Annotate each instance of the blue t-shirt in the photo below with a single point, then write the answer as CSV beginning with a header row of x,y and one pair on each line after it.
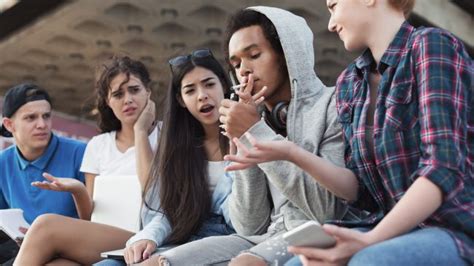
x,y
62,158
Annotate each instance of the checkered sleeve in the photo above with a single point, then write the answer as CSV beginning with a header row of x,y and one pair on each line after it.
x,y
443,76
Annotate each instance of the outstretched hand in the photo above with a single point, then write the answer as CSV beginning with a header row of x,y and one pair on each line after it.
x,y
260,152
59,184
348,242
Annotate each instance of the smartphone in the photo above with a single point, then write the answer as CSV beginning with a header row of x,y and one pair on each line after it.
x,y
309,234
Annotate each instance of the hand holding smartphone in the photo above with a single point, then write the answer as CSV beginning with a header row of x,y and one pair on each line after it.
x,y
309,234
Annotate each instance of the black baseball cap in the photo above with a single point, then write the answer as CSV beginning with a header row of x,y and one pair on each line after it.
x,y
18,96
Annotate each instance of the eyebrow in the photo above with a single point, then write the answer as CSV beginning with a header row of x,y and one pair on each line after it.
x,y
120,88
115,91
133,86
36,113
246,49
204,80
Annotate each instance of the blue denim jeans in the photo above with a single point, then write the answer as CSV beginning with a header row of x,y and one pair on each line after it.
x,y
429,246
110,262
214,226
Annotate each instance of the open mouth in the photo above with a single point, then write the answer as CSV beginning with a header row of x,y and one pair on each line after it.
x,y
206,108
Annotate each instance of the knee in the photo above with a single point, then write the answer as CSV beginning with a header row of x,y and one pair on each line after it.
x,y
247,259
367,256
44,224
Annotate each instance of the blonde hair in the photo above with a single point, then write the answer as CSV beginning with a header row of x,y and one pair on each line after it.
x,y
404,5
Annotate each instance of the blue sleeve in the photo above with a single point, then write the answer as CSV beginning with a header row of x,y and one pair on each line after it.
x,y
157,227
77,164
81,177
220,197
157,230
3,202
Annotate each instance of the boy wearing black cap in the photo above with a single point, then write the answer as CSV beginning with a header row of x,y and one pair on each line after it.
x,y
27,118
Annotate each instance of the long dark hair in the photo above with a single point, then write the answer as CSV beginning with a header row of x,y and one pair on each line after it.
x,y
179,171
105,73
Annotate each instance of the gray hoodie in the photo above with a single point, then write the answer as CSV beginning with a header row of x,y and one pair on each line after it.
x,y
278,196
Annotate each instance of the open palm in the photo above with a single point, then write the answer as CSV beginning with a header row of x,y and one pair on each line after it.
x,y
58,183
260,152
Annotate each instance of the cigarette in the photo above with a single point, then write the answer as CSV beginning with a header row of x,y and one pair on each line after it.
x,y
236,87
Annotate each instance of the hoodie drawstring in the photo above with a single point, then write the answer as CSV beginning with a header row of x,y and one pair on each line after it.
x,y
293,113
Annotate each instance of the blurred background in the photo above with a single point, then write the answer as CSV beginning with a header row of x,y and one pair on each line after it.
x,y
57,44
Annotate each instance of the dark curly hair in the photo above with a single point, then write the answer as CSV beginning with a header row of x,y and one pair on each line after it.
x,y
106,72
247,17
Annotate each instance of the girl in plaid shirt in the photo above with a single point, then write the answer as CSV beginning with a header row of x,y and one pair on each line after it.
x,y
406,110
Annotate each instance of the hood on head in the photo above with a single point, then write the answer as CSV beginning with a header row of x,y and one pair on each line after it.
x,y
297,42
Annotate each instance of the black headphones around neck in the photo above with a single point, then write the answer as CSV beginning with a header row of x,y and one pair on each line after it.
x,y
276,119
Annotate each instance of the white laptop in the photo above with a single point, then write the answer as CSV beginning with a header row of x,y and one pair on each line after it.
x,y
117,202
118,254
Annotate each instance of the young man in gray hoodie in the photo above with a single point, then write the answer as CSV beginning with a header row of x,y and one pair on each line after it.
x,y
274,48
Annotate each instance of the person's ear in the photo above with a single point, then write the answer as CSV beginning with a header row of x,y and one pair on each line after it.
x,y
8,124
180,100
369,3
